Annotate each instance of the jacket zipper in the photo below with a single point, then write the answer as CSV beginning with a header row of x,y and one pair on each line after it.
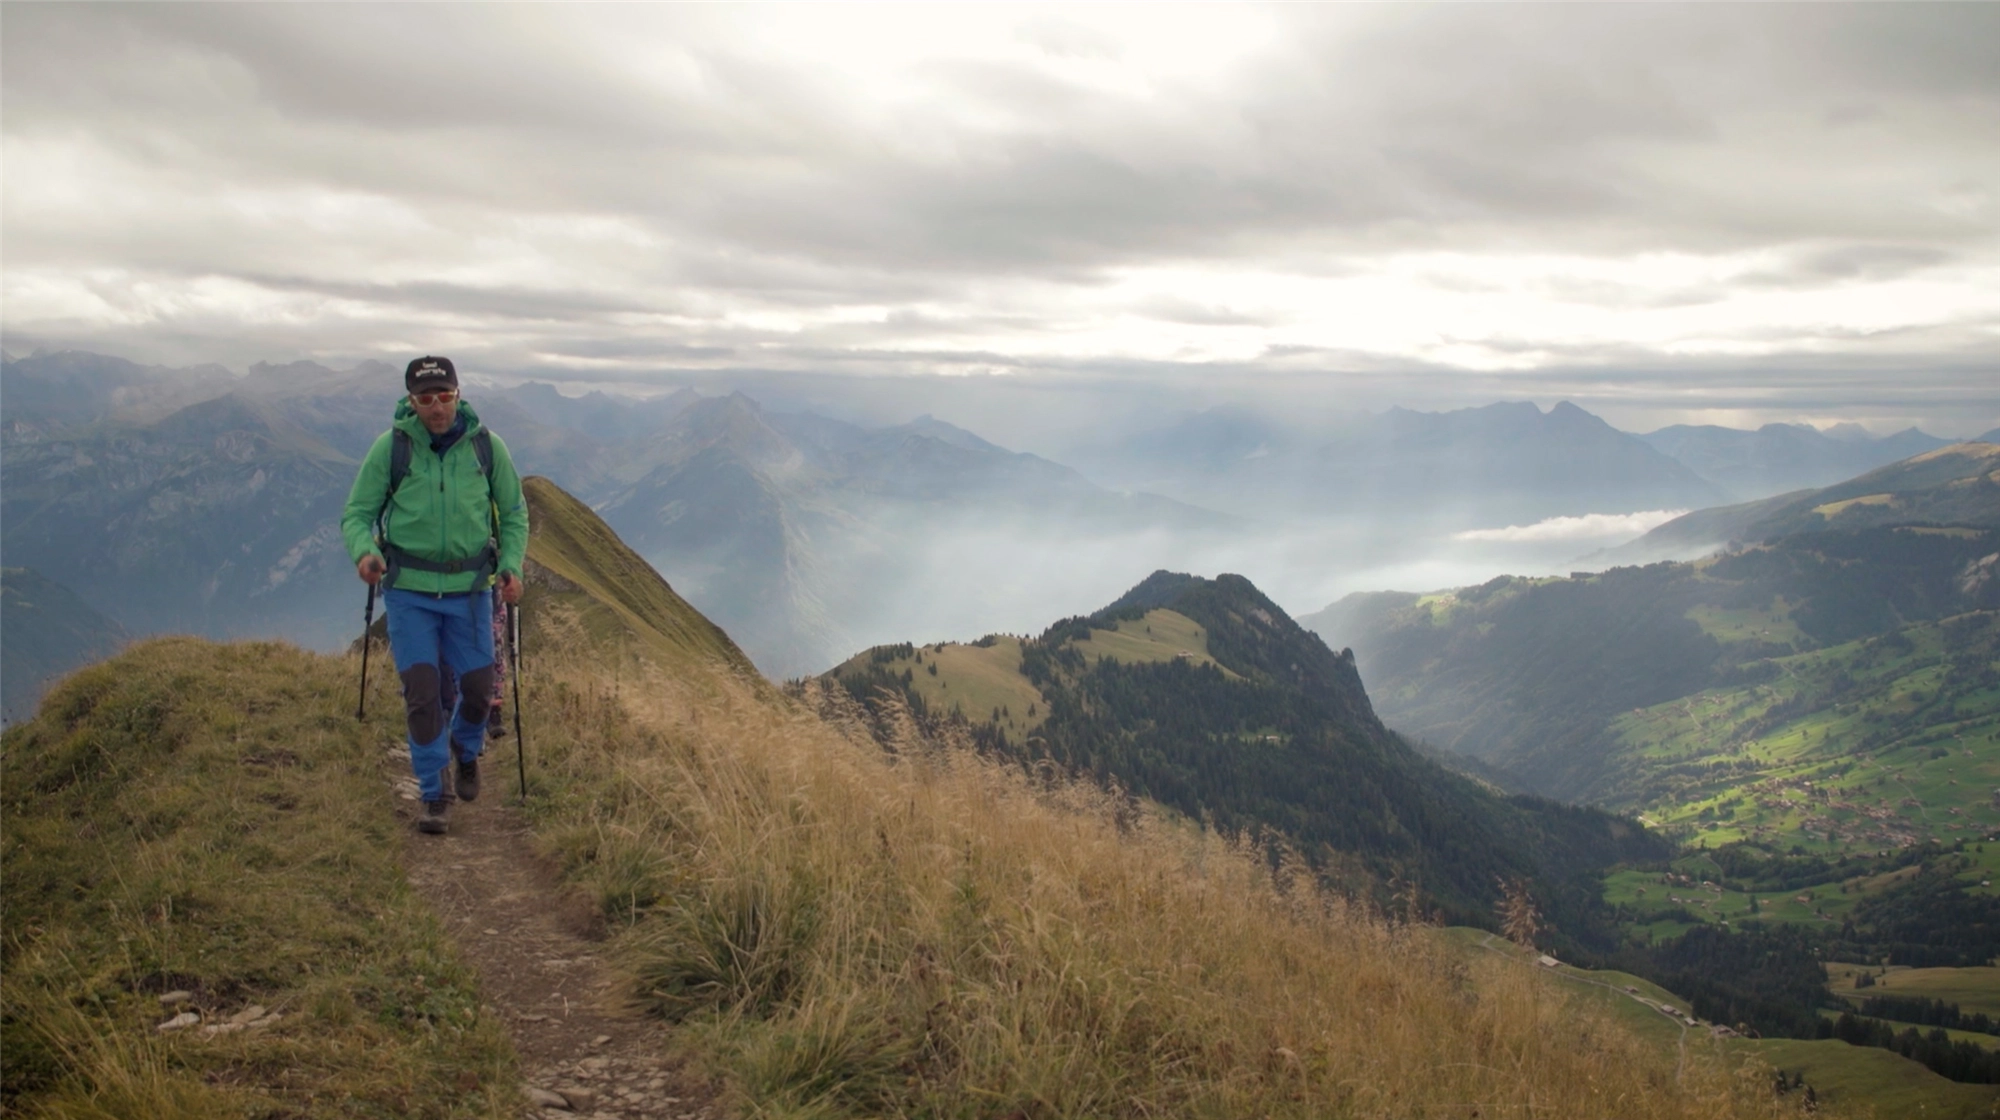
x,y
444,515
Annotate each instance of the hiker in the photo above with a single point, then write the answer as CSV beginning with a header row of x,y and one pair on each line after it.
x,y
436,518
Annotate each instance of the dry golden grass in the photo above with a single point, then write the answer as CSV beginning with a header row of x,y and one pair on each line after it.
x,y
848,933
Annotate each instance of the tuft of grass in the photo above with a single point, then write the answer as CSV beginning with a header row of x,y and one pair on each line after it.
x,y
211,818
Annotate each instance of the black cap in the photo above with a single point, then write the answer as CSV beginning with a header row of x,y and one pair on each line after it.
x,y
428,375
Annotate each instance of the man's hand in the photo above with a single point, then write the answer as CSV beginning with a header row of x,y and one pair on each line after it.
x,y
510,588
371,569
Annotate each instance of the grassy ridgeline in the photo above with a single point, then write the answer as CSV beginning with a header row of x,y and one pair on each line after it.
x,y
210,818
841,933
847,933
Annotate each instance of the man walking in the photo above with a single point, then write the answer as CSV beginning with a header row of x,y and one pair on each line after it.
x,y
436,517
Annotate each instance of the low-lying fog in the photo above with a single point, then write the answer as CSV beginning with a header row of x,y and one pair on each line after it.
x,y
958,582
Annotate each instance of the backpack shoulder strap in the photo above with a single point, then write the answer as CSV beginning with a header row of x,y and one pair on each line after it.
x,y
482,449
400,450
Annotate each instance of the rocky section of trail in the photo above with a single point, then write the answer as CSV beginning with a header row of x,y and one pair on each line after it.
x,y
536,948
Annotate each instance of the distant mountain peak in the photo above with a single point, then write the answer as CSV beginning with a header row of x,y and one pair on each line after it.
x,y
932,427
1847,430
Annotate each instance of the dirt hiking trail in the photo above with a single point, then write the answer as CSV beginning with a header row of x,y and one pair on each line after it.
x,y
536,947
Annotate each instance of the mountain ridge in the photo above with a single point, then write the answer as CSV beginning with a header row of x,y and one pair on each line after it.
x,y
1203,695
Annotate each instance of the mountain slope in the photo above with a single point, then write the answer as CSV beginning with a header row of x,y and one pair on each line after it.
x,y
794,531
1527,674
1957,484
219,518
592,596
49,631
1203,695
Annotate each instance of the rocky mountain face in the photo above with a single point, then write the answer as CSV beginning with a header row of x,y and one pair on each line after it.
x,y
221,518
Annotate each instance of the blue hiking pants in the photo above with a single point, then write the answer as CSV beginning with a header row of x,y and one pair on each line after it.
x,y
426,631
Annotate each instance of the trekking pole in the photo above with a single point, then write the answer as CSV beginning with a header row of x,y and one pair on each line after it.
x,y
514,655
367,624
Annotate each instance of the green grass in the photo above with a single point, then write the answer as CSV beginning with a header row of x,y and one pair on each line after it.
x,y
1891,1085
1972,989
1162,635
594,598
1608,990
1843,1076
1772,624
974,679
212,819
1832,510
978,679
1909,751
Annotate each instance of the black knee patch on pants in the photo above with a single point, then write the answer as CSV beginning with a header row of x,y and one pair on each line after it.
x,y
475,694
420,703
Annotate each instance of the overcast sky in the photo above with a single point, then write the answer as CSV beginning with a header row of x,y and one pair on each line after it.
x,y
1662,212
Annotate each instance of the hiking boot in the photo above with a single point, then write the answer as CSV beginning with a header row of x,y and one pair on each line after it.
x,y
496,728
468,779
432,820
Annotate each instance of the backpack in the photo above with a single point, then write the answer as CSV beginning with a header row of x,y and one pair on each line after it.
x,y
401,448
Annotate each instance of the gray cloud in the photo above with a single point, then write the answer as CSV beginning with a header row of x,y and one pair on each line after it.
x,y
1438,200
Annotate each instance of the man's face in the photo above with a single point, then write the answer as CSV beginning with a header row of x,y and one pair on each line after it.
x,y
439,413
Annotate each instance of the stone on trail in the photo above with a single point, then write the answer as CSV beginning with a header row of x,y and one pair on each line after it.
x,y
543,1098
183,1020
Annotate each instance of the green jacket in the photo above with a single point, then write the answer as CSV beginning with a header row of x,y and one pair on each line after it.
x,y
443,511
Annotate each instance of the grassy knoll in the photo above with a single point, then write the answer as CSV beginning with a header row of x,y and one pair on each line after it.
x,y
1886,1083
212,819
974,678
981,678
1162,635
